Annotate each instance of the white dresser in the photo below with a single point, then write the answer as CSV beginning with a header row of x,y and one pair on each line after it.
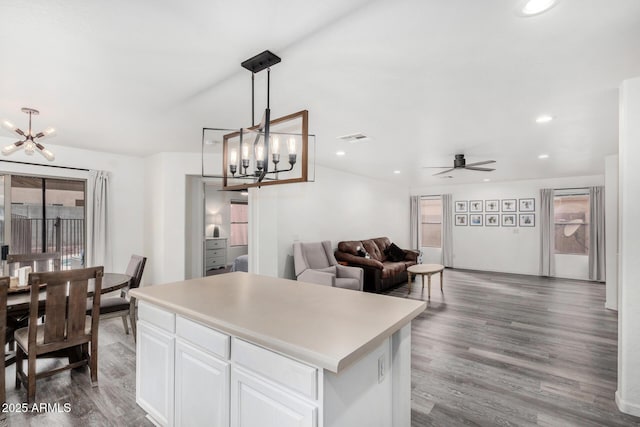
x,y
215,253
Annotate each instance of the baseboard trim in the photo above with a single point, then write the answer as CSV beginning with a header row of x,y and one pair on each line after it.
x,y
626,407
610,307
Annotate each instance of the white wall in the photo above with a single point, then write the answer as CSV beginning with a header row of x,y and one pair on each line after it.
x,y
127,190
166,223
194,227
337,206
611,230
507,249
628,393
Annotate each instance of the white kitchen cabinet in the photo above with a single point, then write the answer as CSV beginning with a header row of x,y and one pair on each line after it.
x,y
155,372
202,387
259,403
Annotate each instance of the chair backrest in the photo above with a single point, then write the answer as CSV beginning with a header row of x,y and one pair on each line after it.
x,y
65,306
314,255
135,270
40,261
4,285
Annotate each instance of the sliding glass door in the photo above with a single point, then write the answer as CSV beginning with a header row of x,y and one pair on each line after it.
x,y
47,215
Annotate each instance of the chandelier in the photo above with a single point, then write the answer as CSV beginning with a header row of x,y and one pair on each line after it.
x,y
275,151
31,141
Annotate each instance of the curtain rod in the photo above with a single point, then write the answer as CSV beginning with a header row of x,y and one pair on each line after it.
x,y
46,166
573,188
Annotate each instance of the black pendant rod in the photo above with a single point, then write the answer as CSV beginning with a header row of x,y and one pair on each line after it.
x,y
253,99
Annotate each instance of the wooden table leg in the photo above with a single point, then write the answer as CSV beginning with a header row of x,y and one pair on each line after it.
x,y
428,285
409,282
441,280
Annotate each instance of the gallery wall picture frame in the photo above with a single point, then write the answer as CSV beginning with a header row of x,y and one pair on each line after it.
x,y
462,206
527,205
509,205
509,220
492,220
491,206
527,220
461,219
475,205
475,220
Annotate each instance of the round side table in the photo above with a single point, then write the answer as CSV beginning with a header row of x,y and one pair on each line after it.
x,y
426,270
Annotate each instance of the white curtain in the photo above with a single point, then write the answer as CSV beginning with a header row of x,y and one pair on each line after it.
x,y
596,234
447,230
99,236
415,222
547,233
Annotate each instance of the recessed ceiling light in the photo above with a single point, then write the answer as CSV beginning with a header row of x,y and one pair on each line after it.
x,y
543,156
535,7
545,118
396,172
340,153
486,180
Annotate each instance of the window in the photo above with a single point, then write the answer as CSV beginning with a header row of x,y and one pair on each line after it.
x,y
47,215
431,222
239,224
571,218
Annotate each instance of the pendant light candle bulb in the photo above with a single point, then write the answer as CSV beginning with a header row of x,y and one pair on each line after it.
x,y
275,144
292,146
245,152
233,157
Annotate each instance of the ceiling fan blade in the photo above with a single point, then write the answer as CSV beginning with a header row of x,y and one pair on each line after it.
x,y
47,133
11,148
479,169
486,162
443,172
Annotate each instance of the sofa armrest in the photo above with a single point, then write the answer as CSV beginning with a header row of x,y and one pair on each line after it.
x,y
318,277
411,255
358,260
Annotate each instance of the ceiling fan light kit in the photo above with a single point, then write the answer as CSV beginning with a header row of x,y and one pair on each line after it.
x,y
31,142
459,162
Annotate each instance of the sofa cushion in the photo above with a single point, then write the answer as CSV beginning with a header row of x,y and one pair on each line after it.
x,y
332,269
372,249
393,268
395,253
350,247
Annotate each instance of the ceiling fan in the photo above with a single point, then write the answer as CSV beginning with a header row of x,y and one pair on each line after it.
x,y
31,141
460,163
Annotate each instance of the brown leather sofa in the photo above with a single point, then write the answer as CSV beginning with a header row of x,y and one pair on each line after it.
x,y
380,273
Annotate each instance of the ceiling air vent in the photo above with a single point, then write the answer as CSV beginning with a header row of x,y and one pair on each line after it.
x,y
355,137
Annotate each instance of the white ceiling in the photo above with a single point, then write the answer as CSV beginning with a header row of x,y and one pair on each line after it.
x,y
425,79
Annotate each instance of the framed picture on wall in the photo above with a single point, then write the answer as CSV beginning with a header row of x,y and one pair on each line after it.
x,y
509,220
461,219
492,220
491,206
527,220
527,205
475,206
509,205
475,220
462,206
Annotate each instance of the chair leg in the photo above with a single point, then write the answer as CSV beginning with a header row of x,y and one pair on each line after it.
x,y
31,377
132,316
124,323
19,368
93,361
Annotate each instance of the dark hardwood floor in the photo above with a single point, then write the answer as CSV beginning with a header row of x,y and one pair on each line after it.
x,y
508,350
493,350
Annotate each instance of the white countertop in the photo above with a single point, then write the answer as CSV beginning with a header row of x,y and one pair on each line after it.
x,y
323,326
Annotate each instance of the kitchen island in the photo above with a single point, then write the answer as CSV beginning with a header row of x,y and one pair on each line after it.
x,y
246,350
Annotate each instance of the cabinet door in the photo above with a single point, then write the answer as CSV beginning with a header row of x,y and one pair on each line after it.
x,y
256,402
155,372
202,388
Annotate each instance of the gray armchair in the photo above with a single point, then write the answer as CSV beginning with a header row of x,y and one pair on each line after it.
x,y
315,263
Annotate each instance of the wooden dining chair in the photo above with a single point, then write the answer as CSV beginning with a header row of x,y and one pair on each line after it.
x,y
124,306
66,325
39,262
4,285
